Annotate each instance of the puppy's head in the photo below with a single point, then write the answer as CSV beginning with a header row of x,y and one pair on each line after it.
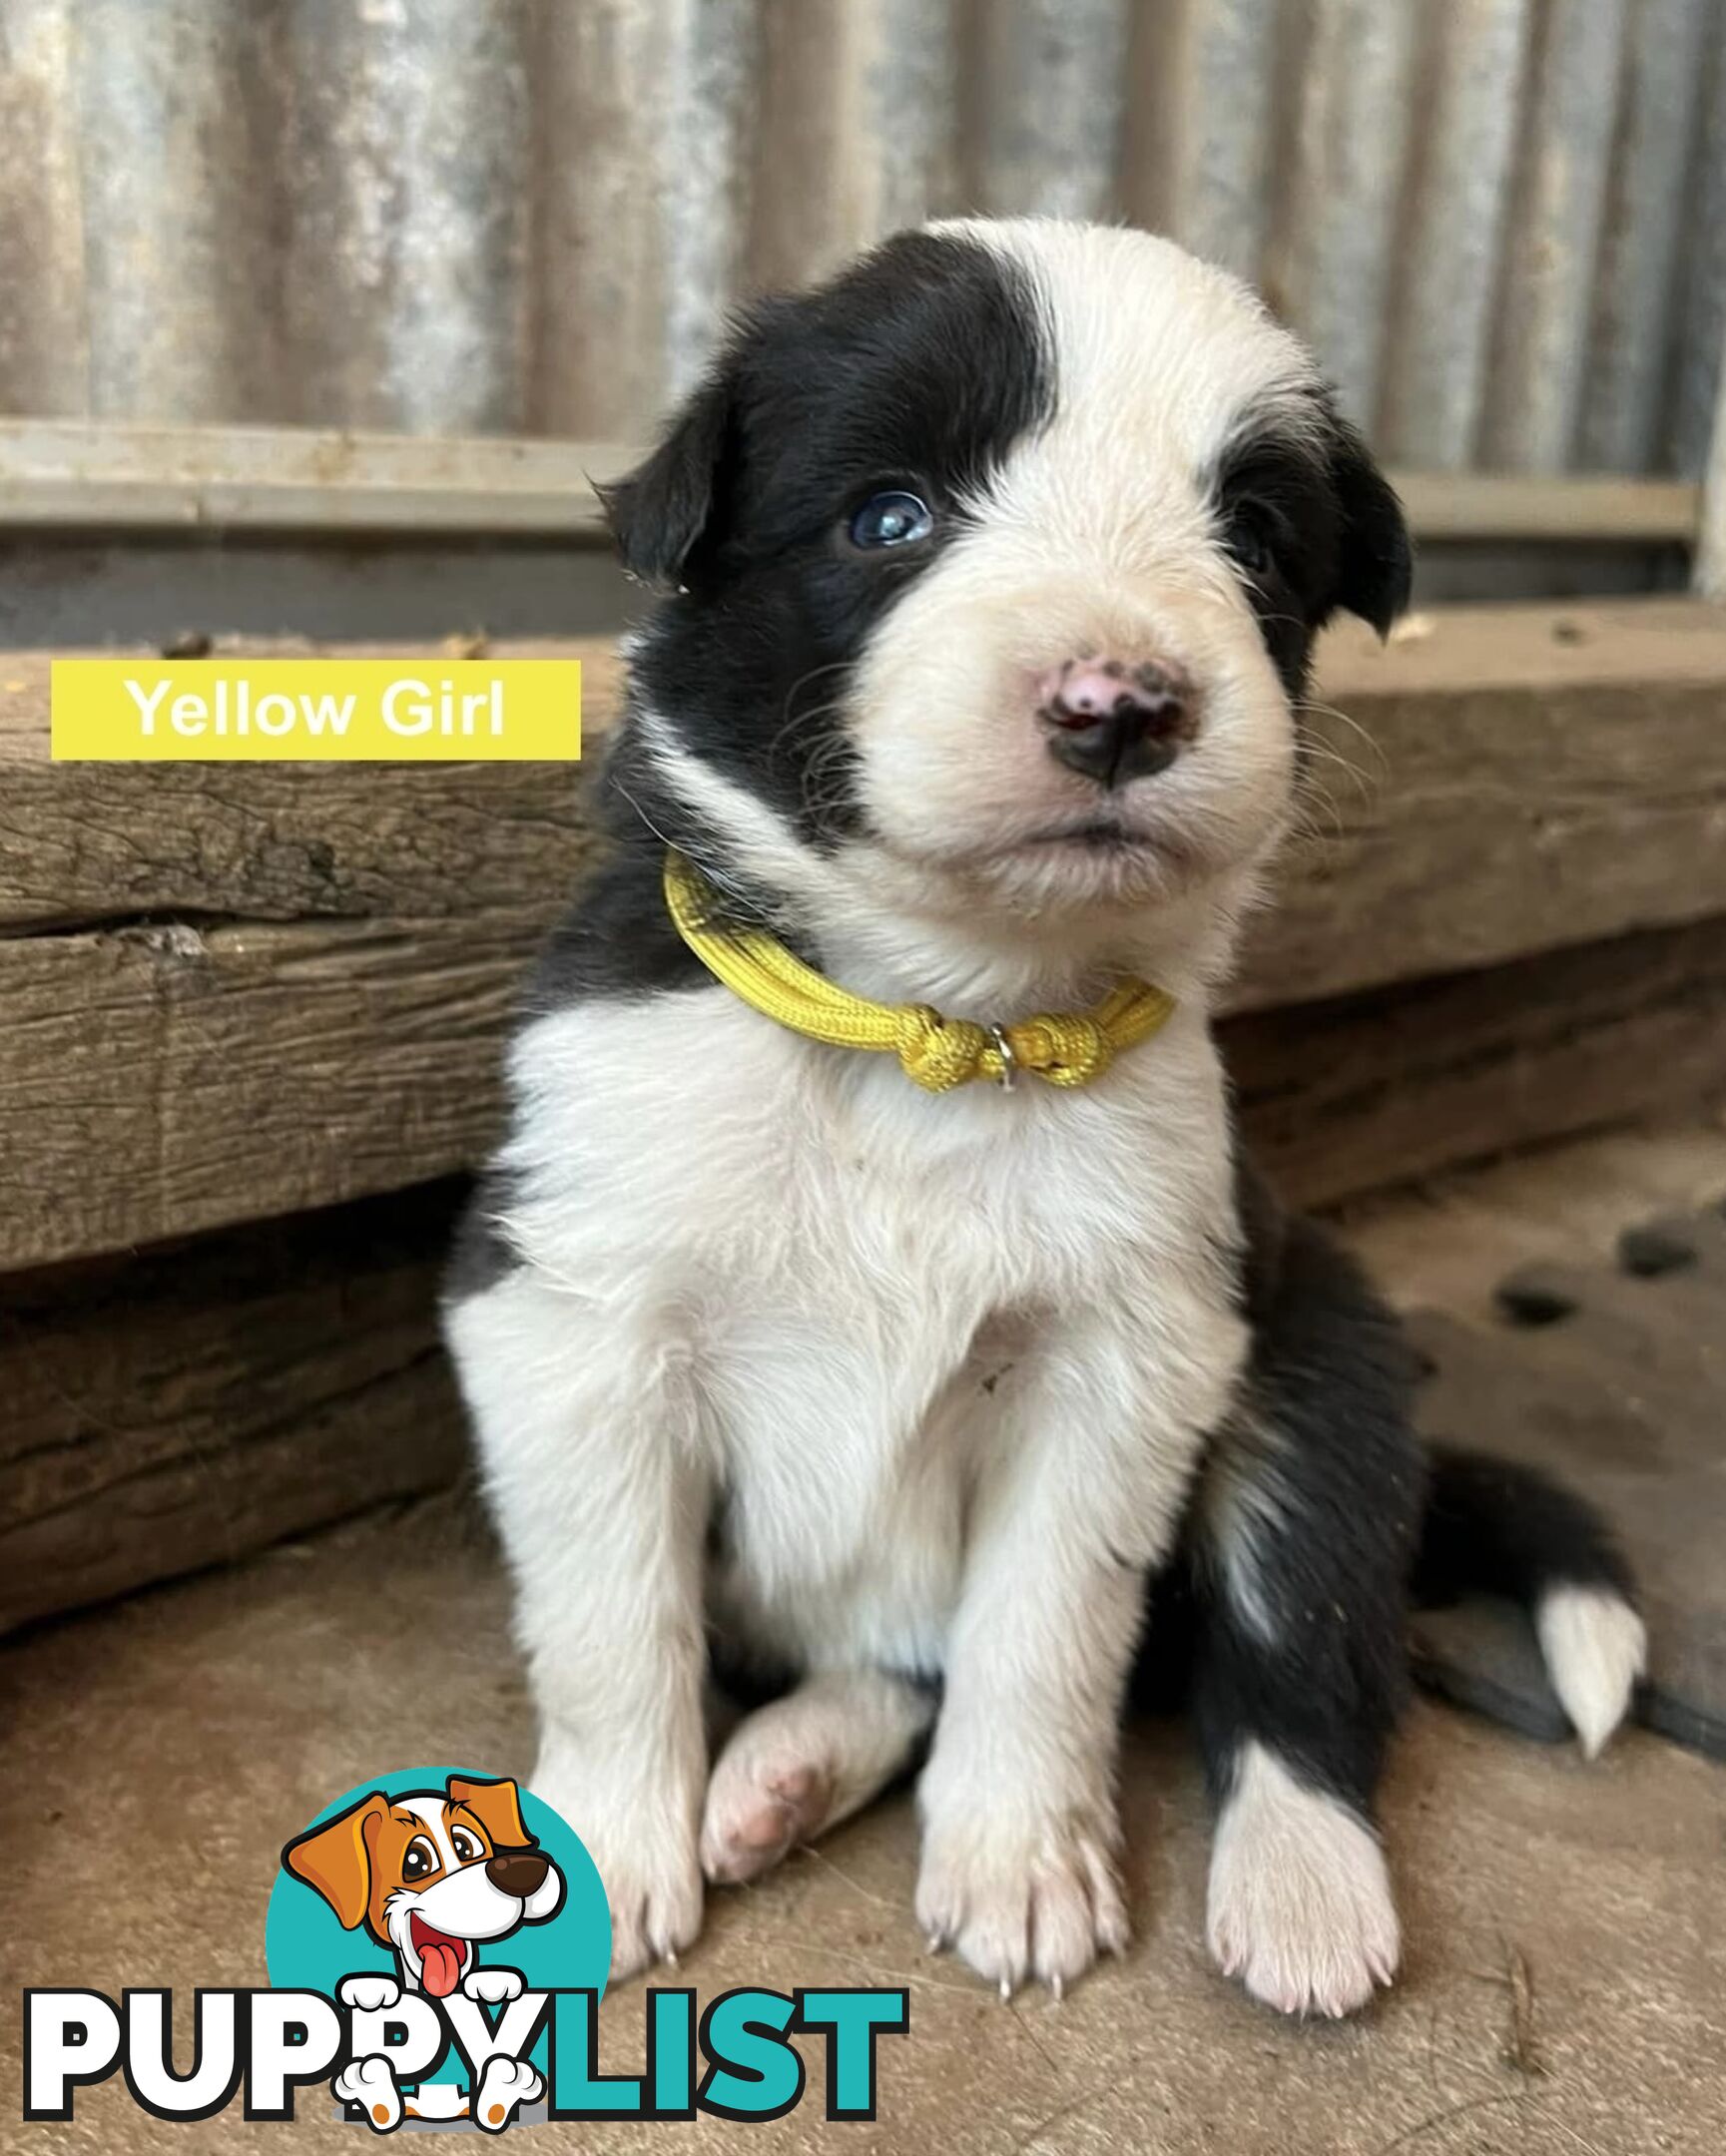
x,y
431,1873
993,570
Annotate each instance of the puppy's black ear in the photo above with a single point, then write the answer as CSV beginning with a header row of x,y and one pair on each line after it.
x,y
1377,559
660,514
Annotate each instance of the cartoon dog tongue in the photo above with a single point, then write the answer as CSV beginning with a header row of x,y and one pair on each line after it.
x,y
440,1966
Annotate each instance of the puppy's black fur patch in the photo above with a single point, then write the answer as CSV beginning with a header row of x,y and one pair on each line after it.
x,y
481,1254
1354,1520
916,369
1315,527
620,939
1323,1442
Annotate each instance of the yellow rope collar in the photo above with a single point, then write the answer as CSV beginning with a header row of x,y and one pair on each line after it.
x,y
1063,1048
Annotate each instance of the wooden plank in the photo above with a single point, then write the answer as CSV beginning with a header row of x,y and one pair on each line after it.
x,y
1492,507
244,991
1498,780
1710,569
158,1081
97,842
93,475
186,1408
102,475
1352,1095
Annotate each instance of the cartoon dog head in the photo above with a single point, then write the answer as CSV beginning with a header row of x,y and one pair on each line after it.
x,y
431,1874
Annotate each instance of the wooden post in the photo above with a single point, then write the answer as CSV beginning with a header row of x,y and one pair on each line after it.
x,y
1710,569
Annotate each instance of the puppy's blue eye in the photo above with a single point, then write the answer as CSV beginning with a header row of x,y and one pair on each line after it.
x,y
891,520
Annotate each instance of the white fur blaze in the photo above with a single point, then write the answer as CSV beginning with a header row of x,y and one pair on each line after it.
x,y
1595,1647
1299,1900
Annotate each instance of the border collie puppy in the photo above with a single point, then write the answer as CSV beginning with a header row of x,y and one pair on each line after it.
x,y
991,571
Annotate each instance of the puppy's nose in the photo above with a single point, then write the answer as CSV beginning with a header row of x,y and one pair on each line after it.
x,y
518,1871
1113,721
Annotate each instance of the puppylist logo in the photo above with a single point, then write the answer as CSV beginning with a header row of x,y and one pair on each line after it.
x,y
438,1941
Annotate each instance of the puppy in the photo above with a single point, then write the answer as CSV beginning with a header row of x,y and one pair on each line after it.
x,y
432,1875
990,575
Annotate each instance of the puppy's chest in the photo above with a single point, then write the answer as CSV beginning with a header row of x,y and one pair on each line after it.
x,y
842,1255
891,1253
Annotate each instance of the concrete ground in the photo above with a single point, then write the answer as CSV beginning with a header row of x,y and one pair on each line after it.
x,y
1564,1982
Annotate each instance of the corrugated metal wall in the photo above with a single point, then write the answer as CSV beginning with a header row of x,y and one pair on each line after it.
x,y
1503,222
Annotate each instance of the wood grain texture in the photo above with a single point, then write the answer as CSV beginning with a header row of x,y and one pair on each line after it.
x,y
1355,1094
1512,780
235,991
186,1408
163,1080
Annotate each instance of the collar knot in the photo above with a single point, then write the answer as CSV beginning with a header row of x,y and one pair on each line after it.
x,y
1063,1048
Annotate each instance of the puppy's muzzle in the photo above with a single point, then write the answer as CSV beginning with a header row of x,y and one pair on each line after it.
x,y
519,1872
1112,721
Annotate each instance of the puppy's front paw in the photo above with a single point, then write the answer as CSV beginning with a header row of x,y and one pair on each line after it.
x,y
492,1986
1300,1904
656,1903
370,2083
764,1797
1023,1899
369,1994
504,2086
642,1835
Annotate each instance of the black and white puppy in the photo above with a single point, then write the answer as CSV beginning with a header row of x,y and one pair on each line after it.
x,y
992,572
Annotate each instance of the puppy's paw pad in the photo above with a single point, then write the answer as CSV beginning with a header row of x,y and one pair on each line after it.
x,y
1300,1905
759,1806
369,1994
369,2083
1040,1904
492,1986
504,2088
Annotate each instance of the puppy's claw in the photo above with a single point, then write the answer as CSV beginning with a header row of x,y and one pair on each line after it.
x,y
1058,1985
1006,1990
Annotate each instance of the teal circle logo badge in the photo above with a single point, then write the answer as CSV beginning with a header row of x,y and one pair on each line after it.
x,y
430,1902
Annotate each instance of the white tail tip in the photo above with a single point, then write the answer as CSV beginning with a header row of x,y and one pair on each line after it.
x,y
1595,1647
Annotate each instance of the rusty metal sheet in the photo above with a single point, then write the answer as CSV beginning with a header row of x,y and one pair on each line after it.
x,y
1503,222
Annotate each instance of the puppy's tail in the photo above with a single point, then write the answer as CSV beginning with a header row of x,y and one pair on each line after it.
x,y
1494,1527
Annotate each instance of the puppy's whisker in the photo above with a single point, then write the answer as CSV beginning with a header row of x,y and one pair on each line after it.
x,y
1310,707
712,869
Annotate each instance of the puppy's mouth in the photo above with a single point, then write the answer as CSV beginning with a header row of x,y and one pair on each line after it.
x,y
441,1958
1097,835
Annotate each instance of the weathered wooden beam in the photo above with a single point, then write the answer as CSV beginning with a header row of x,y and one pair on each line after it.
x,y
86,475
90,844
1361,1092
1499,781
241,991
1710,566
99,475
1504,508
188,1407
